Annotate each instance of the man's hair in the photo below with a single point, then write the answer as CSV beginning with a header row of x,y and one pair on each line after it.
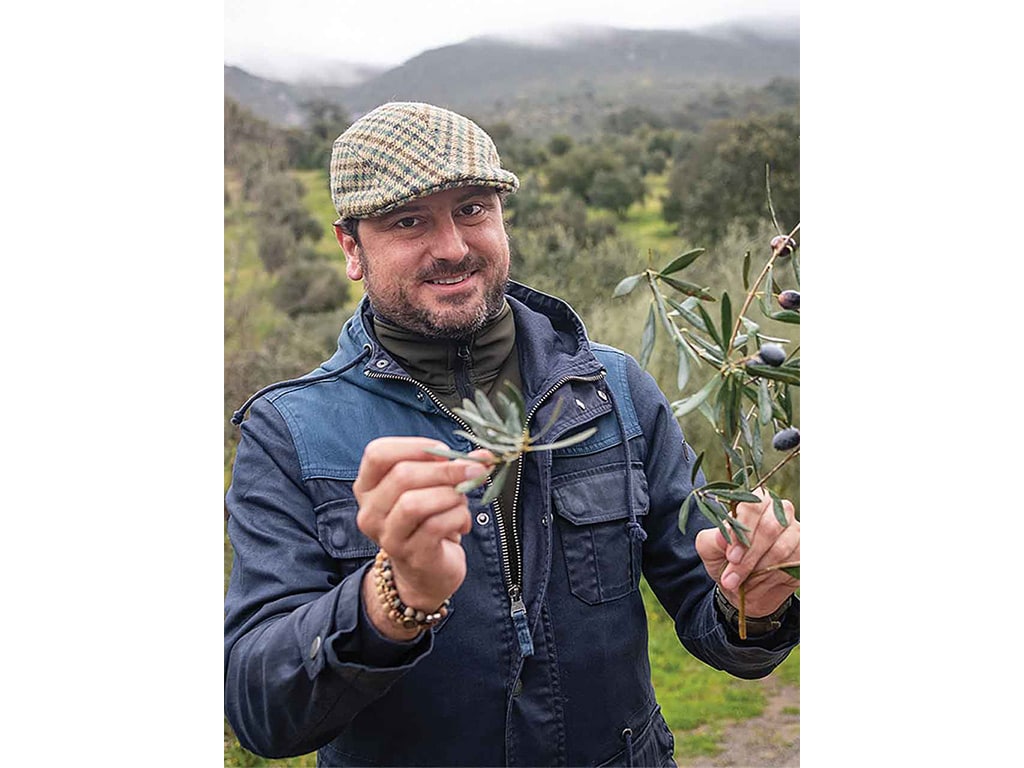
x,y
350,227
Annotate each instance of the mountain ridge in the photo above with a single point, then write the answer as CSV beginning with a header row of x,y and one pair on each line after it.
x,y
565,84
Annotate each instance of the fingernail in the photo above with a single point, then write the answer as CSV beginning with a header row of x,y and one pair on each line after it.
x,y
731,581
735,554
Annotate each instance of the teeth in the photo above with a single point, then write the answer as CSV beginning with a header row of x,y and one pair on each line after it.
x,y
449,280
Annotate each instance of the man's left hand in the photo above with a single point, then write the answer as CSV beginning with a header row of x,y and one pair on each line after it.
x,y
731,564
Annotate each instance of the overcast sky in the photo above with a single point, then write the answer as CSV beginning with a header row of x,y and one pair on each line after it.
x,y
393,31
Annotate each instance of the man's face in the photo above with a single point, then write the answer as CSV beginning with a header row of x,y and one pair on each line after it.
x,y
437,266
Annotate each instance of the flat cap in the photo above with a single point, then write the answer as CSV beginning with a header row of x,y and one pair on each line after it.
x,y
402,151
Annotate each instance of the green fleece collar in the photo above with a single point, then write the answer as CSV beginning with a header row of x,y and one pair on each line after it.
x,y
434,362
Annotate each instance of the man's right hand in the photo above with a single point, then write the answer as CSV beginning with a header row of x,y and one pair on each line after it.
x,y
409,506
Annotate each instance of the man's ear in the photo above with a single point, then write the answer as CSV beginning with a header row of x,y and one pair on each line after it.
x,y
353,267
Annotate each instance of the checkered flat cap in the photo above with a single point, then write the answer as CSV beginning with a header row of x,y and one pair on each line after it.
x,y
402,151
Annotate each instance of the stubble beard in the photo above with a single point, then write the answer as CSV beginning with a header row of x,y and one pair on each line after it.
x,y
397,308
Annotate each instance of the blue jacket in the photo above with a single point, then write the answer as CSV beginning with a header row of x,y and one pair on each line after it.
x,y
305,670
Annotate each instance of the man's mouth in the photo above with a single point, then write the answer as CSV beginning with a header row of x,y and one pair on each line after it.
x,y
453,280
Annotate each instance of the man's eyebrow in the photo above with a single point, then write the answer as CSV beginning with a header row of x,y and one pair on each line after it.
x,y
414,206
474,192
407,208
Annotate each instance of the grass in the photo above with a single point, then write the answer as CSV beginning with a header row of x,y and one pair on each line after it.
x,y
696,700
644,225
317,199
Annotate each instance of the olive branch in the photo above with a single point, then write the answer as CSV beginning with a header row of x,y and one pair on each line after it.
x,y
504,431
749,386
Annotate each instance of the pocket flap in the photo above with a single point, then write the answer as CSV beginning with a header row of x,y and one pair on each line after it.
x,y
598,495
338,532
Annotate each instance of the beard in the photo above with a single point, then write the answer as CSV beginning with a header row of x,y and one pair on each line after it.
x,y
460,319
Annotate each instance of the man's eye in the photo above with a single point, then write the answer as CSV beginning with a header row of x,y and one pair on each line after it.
x,y
473,209
406,223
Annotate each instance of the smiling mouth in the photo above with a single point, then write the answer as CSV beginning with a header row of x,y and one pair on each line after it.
x,y
454,280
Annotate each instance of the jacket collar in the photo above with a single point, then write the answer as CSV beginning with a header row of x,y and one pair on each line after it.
x,y
551,339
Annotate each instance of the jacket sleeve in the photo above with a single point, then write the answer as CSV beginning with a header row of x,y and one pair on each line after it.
x,y
672,566
300,657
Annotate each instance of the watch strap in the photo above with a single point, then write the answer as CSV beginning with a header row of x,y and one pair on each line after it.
x,y
759,625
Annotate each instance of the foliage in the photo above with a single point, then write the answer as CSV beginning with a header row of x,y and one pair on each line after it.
x,y
312,148
574,264
276,247
309,286
627,121
504,431
718,176
252,147
559,144
575,170
616,190
279,203
749,388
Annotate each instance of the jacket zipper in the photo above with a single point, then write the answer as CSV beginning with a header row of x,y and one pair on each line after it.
x,y
502,538
514,579
515,590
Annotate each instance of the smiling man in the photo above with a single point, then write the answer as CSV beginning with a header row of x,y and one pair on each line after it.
x,y
437,266
380,617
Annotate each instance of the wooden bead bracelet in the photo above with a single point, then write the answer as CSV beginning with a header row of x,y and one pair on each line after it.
x,y
400,613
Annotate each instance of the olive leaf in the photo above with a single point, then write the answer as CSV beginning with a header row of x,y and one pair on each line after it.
x,y
626,285
647,341
682,261
688,289
503,431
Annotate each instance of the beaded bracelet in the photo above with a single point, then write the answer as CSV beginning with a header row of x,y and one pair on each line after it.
x,y
399,612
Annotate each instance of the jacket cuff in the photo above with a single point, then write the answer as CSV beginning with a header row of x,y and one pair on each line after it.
x,y
358,643
381,651
785,636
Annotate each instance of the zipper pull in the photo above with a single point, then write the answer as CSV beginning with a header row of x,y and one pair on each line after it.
x,y
520,622
463,380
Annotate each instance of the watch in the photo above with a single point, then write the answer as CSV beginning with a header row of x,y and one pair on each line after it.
x,y
760,625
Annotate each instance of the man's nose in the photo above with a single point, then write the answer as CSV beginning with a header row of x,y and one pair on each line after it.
x,y
448,242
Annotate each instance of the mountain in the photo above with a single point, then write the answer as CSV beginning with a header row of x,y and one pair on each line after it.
x,y
302,69
569,80
280,103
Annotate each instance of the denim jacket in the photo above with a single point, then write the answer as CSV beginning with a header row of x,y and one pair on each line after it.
x,y
540,662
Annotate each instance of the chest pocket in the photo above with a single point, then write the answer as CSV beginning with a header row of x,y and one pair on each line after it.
x,y
602,559
338,533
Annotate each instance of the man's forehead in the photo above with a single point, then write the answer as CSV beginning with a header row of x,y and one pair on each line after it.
x,y
452,196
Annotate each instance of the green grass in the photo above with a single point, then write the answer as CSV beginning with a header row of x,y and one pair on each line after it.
x,y
317,199
696,700
644,225
237,757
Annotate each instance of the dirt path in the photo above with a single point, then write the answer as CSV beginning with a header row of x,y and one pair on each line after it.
x,y
769,741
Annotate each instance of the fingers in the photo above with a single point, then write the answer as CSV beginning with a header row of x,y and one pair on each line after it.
x,y
409,506
771,544
382,454
397,475
427,514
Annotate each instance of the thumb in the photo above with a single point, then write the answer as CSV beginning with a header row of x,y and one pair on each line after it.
x,y
711,545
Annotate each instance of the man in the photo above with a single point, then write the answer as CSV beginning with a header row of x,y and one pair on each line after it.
x,y
378,615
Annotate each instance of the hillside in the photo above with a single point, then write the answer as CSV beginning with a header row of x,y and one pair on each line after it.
x,y
277,102
569,86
